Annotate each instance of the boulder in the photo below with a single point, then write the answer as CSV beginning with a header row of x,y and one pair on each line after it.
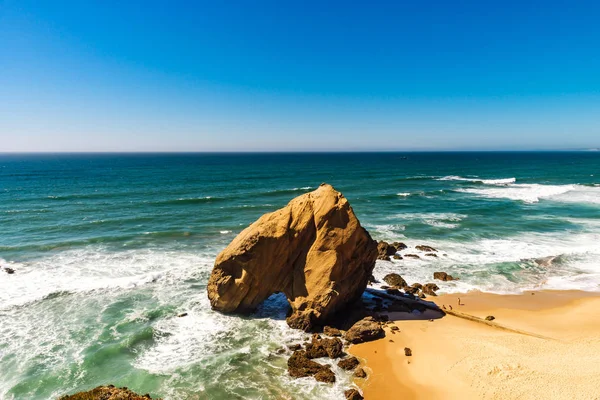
x,y
365,330
442,276
394,280
385,250
349,363
490,318
431,255
353,394
424,248
430,289
411,256
299,366
318,348
107,393
313,250
407,352
9,271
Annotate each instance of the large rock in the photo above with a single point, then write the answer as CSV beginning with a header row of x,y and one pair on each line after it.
x,y
365,330
314,250
107,393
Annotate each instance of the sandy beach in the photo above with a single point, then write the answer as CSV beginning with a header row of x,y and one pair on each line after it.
x,y
541,345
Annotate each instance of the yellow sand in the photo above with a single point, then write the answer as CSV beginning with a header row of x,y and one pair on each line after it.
x,y
454,358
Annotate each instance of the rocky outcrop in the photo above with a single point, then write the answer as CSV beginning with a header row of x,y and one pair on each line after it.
x,y
314,250
365,330
300,366
442,276
107,393
394,280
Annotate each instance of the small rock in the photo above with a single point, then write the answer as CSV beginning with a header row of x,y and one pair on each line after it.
x,y
294,347
329,331
394,328
9,271
397,257
412,256
385,250
430,289
399,246
360,373
353,394
300,366
490,318
407,352
348,363
394,280
431,255
424,248
325,375
365,330
183,314
318,348
442,276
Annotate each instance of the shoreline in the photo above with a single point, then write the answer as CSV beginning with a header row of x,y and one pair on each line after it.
x,y
557,349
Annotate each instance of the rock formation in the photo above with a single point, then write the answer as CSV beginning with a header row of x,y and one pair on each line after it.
x,y
314,250
107,393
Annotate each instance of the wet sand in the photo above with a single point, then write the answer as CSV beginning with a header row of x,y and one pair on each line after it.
x,y
544,345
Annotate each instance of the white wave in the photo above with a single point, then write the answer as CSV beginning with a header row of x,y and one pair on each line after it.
x,y
501,181
533,193
506,265
438,220
87,270
224,232
403,194
387,231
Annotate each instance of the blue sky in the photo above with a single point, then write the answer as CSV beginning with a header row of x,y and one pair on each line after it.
x,y
300,76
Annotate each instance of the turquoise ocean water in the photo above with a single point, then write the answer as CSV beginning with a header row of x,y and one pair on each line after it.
x,y
108,249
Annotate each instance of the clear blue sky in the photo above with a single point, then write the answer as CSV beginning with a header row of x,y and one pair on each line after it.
x,y
302,75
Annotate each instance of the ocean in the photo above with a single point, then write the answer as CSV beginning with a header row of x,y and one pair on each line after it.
x,y
109,248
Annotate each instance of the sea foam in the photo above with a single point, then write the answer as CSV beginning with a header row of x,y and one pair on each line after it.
x,y
533,193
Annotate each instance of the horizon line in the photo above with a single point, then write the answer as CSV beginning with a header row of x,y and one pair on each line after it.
x,y
34,152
